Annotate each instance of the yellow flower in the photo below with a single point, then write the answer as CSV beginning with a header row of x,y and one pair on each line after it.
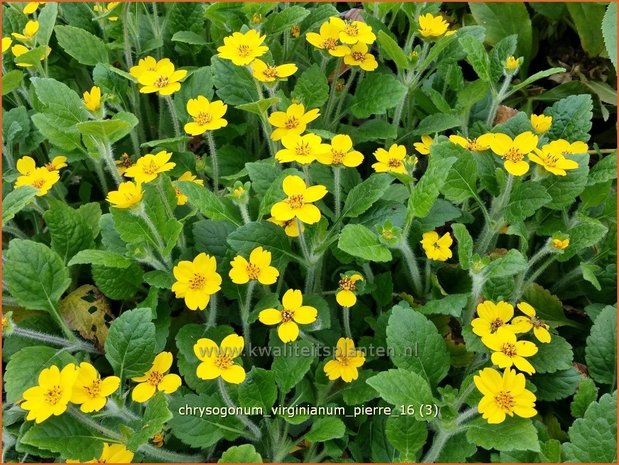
x,y
345,295
352,32
51,396
508,351
145,65
290,226
359,56
478,144
30,30
258,268
292,314
181,199
295,31
341,153
391,161
57,163
267,73
92,99
90,392
164,79
19,50
346,363
503,395
514,151
207,116
6,43
26,165
299,203
40,178
432,26
219,360
560,244
541,123
435,247
512,63
238,192
302,149
196,281
292,121
156,379
423,147
148,167
31,7
552,161
524,324
241,48
128,195
565,148
491,317
328,39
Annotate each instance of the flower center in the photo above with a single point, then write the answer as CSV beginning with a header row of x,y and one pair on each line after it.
x,y
243,50
295,201
358,56
330,43
347,284
509,349
287,315
223,361
513,154
253,271
197,281
292,122
53,395
150,168
203,118
154,378
161,82
505,400
38,183
437,246
496,324
352,30
303,149
270,72
537,323
338,157
394,163
94,389
551,160
50,166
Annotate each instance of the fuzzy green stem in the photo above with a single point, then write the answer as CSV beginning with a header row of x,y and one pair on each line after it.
x,y
105,150
243,418
244,213
478,281
331,100
346,319
337,176
497,99
173,116
411,263
490,229
245,309
212,313
54,340
212,148
160,244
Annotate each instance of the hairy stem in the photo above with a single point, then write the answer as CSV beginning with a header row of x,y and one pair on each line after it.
x,y
54,340
411,263
346,319
212,148
337,177
245,309
243,418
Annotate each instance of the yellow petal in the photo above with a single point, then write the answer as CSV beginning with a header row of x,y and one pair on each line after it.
x,y
142,392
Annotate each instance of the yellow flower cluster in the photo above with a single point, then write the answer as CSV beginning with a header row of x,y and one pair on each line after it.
x,y
27,38
42,178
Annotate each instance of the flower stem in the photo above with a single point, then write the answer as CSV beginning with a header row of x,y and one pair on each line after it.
x,y
497,99
212,314
214,161
331,100
411,263
245,309
478,281
337,175
346,319
243,418
489,231
173,116
54,340
244,213
438,443
105,150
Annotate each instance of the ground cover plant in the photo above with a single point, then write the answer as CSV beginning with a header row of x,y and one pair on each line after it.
x,y
271,232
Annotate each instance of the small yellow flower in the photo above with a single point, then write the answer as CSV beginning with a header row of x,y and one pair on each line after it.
x,y
524,324
219,360
292,314
256,18
341,153
423,147
90,391
491,317
508,351
57,163
124,163
514,151
391,161
241,48
353,32
267,73
360,57
503,395
30,30
156,379
128,195
292,121
478,144
328,39
207,116
92,99
512,63
40,178
290,226
258,268
6,43
181,199
196,281
31,7
560,244
302,149
145,65
431,26
552,161
345,295
566,148
164,79
52,394
148,167
541,123
346,363
299,201
437,248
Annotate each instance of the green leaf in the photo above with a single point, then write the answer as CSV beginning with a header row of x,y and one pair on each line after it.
x,y
514,433
208,203
100,257
586,233
156,415
130,343
85,47
416,344
312,87
260,107
11,81
526,199
593,438
407,435
508,265
403,388
234,84
258,389
71,230
553,356
267,235
361,197
536,77
604,170
109,130
477,56
262,174
587,19
189,37
289,368
35,275
211,237
564,189
392,50
22,371
159,279
245,453
325,429
15,201
609,31
601,349
374,129
359,392
437,122
33,57
556,386
427,189
547,306
118,283
282,21
448,305
47,19
376,94
67,436
54,130
359,241
59,100
465,244
571,118
586,394
461,182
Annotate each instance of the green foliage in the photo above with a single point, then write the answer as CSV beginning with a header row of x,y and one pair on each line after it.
x,y
600,353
